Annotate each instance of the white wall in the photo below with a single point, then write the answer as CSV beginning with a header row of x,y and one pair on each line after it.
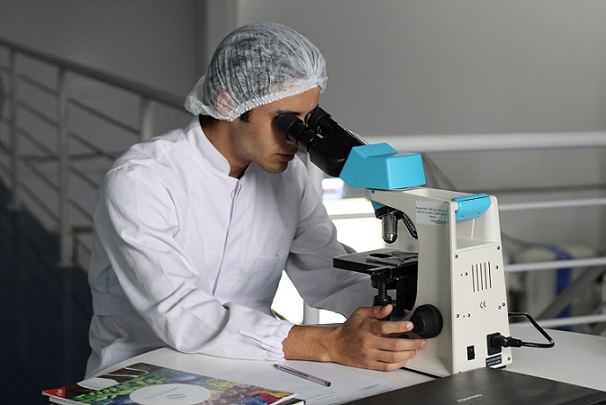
x,y
396,67
154,42
450,67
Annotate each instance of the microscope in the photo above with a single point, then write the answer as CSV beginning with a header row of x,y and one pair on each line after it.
x,y
452,285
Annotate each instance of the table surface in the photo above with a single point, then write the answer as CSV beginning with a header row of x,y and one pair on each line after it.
x,y
576,358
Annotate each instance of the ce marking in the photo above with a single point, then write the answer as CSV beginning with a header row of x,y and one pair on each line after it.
x,y
483,305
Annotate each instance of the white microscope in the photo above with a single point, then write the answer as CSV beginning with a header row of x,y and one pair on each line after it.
x,y
453,287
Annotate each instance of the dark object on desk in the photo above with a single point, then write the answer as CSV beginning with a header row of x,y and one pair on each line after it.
x,y
491,387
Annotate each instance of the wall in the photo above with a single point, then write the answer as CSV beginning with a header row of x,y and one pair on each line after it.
x,y
153,42
443,67
396,68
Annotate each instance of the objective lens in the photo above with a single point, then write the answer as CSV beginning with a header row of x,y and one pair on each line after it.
x,y
390,228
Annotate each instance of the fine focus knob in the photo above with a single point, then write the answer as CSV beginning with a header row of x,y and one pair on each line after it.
x,y
427,321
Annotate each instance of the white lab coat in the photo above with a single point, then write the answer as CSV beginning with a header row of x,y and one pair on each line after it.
x,y
187,257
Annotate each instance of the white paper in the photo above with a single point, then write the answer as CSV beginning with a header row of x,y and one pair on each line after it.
x,y
346,384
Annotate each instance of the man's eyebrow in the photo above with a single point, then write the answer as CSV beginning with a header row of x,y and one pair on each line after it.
x,y
280,112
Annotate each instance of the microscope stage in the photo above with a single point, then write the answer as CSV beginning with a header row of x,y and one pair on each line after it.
x,y
376,261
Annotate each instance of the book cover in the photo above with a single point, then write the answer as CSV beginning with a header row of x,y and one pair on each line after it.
x,y
147,384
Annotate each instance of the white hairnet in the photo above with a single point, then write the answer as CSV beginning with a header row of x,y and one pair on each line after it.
x,y
254,65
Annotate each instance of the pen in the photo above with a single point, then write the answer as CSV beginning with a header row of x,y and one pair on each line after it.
x,y
302,375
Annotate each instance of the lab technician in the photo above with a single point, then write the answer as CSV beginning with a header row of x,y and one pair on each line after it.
x,y
192,229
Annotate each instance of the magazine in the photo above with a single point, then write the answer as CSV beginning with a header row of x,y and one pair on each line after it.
x,y
148,384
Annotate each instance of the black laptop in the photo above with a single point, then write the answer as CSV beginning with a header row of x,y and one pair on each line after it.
x,y
489,386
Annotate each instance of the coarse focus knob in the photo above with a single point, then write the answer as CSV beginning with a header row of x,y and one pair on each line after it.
x,y
427,321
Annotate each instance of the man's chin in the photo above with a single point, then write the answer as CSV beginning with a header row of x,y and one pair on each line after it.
x,y
273,164
275,168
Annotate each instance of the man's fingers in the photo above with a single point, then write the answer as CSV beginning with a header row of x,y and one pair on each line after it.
x,y
376,312
364,340
389,360
400,345
392,327
397,357
381,312
387,327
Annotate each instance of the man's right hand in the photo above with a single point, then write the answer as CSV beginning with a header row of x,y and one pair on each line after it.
x,y
361,341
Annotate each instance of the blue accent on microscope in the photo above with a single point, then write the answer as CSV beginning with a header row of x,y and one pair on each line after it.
x,y
471,206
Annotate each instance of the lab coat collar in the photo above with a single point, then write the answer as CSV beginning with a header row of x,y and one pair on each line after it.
x,y
209,153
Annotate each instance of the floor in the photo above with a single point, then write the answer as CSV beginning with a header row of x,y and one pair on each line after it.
x,y
44,311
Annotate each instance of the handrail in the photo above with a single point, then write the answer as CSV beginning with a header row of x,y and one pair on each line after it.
x,y
495,142
62,162
144,90
558,264
535,205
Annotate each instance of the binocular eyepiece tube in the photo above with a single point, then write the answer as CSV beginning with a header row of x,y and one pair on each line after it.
x,y
326,142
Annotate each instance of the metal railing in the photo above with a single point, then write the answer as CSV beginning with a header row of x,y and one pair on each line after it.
x,y
42,174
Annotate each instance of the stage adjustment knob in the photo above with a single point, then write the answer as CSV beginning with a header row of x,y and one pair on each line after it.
x,y
427,321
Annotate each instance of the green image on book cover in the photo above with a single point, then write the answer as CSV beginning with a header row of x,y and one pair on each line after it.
x,y
142,375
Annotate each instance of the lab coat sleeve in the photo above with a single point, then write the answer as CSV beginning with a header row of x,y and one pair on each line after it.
x,y
311,256
135,220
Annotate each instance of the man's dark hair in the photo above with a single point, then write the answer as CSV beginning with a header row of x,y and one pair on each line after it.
x,y
207,120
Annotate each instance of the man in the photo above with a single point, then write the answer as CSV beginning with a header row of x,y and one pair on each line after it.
x,y
194,228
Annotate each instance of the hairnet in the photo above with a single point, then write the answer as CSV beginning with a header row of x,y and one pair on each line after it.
x,y
254,65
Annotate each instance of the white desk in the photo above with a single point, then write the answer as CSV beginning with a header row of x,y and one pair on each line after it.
x,y
576,358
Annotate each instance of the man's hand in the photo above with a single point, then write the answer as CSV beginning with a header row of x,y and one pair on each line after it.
x,y
360,341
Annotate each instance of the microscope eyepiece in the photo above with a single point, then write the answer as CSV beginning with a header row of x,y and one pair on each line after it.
x,y
321,123
327,144
295,130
